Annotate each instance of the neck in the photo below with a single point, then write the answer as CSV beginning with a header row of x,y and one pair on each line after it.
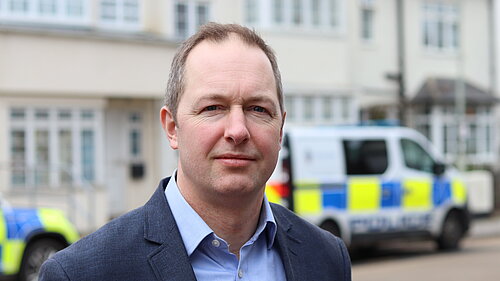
x,y
232,219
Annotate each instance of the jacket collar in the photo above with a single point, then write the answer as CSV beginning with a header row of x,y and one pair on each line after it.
x,y
289,245
170,260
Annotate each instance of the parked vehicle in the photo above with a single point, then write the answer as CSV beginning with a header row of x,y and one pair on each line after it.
x,y
370,183
28,237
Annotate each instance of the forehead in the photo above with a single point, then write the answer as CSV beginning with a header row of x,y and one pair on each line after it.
x,y
232,51
228,65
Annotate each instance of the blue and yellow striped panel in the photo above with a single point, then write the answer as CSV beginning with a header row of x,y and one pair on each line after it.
x,y
15,225
370,194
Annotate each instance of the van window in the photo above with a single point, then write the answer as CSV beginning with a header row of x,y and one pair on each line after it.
x,y
367,157
416,157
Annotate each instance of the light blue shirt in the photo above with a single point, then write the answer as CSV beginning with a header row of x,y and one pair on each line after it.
x,y
209,254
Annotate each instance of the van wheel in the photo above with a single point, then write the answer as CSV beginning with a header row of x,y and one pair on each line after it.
x,y
35,255
451,233
331,227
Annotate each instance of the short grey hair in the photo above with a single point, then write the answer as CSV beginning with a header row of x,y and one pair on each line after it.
x,y
214,32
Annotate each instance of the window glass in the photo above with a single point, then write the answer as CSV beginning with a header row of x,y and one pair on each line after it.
x,y
367,14
327,108
201,14
368,157
18,156
308,108
297,12
135,143
131,11
74,8
65,155
181,20
42,157
17,114
251,11
416,157
47,7
87,143
334,13
18,5
440,25
41,114
316,12
87,114
64,114
291,115
278,11
108,9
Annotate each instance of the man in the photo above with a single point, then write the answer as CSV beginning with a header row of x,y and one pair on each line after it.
x,y
210,220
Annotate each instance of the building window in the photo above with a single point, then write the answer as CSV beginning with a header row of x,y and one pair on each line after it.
x,y
278,11
440,26
301,15
135,136
251,11
308,103
327,108
297,12
291,112
51,147
73,12
120,13
189,16
367,19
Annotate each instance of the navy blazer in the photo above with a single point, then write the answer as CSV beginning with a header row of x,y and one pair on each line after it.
x,y
145,244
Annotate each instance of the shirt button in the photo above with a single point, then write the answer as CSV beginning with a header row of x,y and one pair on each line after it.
x,y
215,243
240,273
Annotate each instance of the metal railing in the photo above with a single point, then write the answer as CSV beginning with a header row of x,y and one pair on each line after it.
x,y
41,184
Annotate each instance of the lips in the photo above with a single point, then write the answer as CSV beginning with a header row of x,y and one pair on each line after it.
x,y
235,160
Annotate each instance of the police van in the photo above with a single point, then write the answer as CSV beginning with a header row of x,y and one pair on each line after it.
x,y
370,183
28,237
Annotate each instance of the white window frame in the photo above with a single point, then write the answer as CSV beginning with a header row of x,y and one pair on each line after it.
x,y
191,16
367,23
448,15
53,125
119,23
32,14
266,16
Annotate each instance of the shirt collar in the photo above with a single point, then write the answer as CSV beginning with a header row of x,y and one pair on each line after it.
x,y
193,228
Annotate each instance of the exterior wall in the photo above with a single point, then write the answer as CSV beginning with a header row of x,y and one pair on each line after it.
x,y
58,65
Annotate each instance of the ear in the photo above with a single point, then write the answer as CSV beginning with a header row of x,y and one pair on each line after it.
x,y
169,126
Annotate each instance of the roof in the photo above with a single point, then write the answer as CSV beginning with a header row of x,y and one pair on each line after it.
x,y
442,91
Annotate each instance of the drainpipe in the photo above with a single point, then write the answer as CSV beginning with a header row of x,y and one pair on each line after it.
x,y
400,20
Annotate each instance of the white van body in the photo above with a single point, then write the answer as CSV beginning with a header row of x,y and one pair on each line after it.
x,y
368,183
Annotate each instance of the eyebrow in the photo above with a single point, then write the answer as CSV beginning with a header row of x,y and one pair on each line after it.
x,y
219,97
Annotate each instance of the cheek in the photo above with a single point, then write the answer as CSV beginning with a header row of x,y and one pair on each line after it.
x,y
197,139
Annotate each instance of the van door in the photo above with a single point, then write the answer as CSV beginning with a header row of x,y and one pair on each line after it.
x,y
422,189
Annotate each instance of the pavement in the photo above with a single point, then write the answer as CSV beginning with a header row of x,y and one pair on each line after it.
x,y
485,226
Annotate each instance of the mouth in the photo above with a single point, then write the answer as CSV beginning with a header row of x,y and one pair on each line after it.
x,y
235,160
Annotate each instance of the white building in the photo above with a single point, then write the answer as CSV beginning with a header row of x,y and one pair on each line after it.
x,y
82,82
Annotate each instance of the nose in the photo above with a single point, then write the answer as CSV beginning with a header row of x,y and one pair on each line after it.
x,y
236,130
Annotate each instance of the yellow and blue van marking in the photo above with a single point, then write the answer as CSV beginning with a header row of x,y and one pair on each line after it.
x,y
370,194
16,225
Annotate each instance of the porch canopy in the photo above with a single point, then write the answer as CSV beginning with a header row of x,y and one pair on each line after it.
x,y
441,91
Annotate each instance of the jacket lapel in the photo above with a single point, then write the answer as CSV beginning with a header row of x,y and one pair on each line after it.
x,y
169,261
288,246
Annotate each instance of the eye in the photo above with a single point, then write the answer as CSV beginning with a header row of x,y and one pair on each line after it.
x,y
211,108
259,109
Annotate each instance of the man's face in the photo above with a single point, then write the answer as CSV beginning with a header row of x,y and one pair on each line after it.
x,y
229,123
